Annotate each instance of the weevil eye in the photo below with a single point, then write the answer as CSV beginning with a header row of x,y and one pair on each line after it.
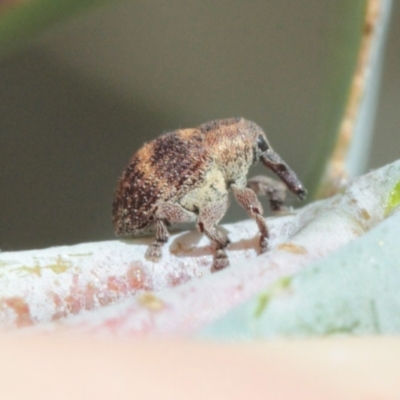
x,y
262,144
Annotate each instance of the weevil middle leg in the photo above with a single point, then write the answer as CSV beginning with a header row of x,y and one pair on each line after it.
x,y
207,221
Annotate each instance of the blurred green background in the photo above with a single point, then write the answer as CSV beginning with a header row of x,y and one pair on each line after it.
x,y
78,101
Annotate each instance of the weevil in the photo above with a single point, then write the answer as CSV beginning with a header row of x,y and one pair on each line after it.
x,y
186,176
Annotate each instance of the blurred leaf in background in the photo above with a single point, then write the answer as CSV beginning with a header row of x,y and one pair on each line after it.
x,y
21,20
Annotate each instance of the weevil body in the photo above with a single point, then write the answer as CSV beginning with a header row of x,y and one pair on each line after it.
x,y
186,176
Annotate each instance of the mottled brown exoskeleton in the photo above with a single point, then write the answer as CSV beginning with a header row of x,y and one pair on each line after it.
x,y
186,175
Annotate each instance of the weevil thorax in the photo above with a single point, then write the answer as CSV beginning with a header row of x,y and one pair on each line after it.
x,y
232,144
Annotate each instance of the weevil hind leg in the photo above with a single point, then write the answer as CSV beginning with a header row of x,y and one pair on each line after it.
x,y
153,252
207,221
275,190
166,213
248,200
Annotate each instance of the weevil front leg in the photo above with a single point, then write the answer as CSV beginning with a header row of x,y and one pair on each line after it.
x,y
207,221
275,190
166,213
248,200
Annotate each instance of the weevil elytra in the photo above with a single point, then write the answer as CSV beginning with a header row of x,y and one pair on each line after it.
x,y
186,176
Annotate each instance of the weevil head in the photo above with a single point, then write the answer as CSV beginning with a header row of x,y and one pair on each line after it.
x,y
263,152
236,143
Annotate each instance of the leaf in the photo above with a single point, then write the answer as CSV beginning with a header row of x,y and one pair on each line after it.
x,y
182,296
354,290
22,21
353,88
314,301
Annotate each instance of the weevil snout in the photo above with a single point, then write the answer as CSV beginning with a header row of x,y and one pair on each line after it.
x,y
273,161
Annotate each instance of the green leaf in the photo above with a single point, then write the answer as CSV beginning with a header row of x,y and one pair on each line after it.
x,y
24,21
394,199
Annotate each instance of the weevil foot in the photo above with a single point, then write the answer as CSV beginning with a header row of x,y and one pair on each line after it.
x,y
264,244
154,252
220,261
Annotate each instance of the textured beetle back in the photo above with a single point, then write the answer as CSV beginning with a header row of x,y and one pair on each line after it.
x,y
162,170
